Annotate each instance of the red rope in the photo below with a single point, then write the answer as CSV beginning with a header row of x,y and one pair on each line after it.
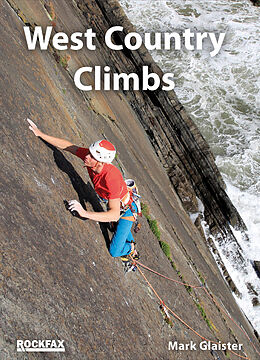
x,y
166,277
194,287
181,320
225,312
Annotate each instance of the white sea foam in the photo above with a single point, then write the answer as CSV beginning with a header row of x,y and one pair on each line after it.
x,y
222,95
245,201
242,277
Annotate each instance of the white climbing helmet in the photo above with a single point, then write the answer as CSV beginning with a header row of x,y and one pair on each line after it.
x,y
103,151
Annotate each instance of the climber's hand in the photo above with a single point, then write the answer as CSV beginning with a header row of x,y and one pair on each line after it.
x,y
74,205
34,128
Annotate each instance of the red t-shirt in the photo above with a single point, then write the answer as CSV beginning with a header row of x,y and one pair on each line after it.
x,y
109,184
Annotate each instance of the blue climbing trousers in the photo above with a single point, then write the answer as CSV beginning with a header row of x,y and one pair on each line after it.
x,y
121,241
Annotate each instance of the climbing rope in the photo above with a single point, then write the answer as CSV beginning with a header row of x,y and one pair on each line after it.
x,y
166,277
138,265
208,294
225,312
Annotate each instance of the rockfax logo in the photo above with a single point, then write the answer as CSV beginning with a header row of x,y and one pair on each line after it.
x,y
40,346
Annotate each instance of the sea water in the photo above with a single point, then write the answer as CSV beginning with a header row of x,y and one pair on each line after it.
x,y
222,96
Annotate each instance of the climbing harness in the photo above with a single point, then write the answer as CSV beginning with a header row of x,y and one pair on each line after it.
x,y
131,197
126,203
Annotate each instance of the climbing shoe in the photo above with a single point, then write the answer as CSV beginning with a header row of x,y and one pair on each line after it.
x,y
128,261
134,254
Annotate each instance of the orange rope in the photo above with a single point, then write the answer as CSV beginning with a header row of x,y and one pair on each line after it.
x,y
175,315
225,312
166,277
209,295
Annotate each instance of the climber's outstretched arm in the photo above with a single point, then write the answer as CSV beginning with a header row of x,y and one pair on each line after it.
x,y
57,142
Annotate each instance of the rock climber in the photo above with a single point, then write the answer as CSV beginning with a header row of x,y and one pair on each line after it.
x,y
109,185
